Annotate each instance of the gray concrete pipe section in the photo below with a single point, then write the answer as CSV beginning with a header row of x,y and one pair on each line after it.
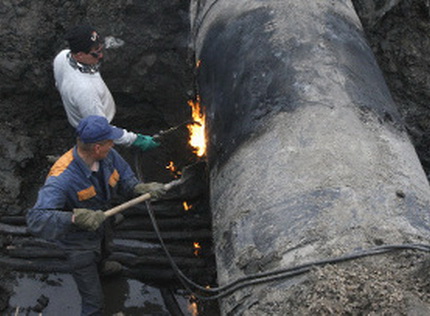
x,y
308,155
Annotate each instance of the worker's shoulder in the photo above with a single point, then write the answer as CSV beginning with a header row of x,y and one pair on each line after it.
x,y
63,164
61,56
60,61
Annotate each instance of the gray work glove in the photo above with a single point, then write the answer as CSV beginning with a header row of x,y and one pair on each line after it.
x,y
88,219
155,189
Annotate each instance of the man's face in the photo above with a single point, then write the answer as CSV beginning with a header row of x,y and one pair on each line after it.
x,y
93,57
102,149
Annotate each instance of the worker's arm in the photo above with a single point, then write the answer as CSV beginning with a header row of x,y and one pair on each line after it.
x,y
47,219
91,104
86,100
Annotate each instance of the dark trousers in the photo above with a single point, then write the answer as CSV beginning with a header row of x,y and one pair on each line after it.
x,y
85,272
86,266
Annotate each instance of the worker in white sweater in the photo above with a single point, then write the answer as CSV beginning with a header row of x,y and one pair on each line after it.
x,y
82,89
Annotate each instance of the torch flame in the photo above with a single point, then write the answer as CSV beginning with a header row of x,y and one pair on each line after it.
x,y
197,131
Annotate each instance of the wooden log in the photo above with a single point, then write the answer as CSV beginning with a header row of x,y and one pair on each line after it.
x,y
35,265
203,234
136,243
140,250
187,249
156,261
35,253
13,220
171,208
30,241
142,223
167,275
6,229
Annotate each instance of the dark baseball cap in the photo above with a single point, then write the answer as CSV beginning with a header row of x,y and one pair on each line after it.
x,y
82,38
94,128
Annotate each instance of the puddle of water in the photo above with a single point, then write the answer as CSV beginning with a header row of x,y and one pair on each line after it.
x,y
59,288
122,296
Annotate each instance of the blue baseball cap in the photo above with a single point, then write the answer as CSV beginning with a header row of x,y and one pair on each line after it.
x,y
94,128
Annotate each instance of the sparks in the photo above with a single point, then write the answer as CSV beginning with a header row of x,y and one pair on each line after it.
x,y
171,166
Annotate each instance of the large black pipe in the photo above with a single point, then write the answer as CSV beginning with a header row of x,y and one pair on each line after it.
x,y
308,155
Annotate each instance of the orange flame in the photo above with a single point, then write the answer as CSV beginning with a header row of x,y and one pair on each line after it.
x,y
192,307
171,166
197,247
197,131
186,206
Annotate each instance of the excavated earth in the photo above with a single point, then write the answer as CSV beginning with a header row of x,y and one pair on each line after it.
x,y
150,70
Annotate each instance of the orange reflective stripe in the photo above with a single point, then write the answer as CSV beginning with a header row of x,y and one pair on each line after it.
x,y
61,164
114,178
87,193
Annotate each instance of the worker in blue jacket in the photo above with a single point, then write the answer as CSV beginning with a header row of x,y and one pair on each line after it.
x,y
69,205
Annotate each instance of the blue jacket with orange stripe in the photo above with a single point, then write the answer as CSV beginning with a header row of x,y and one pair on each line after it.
x,y
71,184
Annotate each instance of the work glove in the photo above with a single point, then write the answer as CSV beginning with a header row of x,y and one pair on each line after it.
x,y
155,189
88,219
145,142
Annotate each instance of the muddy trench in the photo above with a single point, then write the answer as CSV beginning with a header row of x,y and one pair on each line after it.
x,y
150,69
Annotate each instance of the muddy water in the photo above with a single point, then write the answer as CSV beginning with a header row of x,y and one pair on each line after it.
x,y
122,296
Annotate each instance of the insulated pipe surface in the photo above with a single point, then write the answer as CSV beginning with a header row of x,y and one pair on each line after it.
x,y
308,155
